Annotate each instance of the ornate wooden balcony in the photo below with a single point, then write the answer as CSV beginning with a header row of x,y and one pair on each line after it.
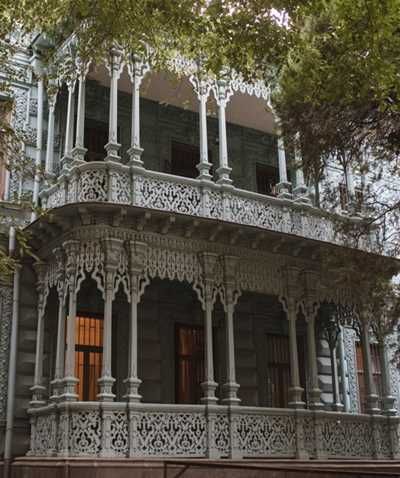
x,y
155,430
121,184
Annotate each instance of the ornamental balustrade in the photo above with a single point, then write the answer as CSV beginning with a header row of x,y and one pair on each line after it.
x,y
118,429
121,184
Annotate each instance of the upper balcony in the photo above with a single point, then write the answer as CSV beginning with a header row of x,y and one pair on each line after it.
x,y
199,147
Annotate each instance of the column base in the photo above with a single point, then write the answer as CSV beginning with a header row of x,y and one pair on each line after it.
x,y
106,384
69,393
209,393
112,152
132,392
295,400
372,405
230,391
388,406
223,175
135,154
315,399
57,389
49,179
300,194
204,171
338,407
78,154
283,190
38,400
66,162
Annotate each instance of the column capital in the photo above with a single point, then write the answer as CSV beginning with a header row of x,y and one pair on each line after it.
x,y
137,69
202,86
114,62
223,91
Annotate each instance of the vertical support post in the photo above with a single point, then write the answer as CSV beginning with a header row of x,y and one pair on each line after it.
x,y
137,70
202,89
231,387
38,389
209,261
112,251
49,167
39,135
372,397
137,253
300,192
295,390
115,67
315,392
343,372
387,399
284,186
223,91
337,404
12,367
66,160
79,151
71,248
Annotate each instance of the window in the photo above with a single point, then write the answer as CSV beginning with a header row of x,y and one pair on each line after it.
x,y
376,372
96,137
189,363
267,179
88,355
278,369
184,159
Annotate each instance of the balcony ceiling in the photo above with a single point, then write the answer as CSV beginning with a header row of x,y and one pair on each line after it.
x,y
243,110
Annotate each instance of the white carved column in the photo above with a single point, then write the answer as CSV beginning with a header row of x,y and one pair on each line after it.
x,y
372,397
112,250
388,398
137,251
315,392
295,390
337,404
300,192
343,373
114,66
223,92
202,88
66,160
209,385
38,389
231,387
310,308
51,99
39,138
79,150
72,249
284,186
137,70
61,318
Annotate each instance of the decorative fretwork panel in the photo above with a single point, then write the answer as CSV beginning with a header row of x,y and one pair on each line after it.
x,y
119,434
172,434
221,435
45,436
93,185
170,196
84,433
265,435
347,438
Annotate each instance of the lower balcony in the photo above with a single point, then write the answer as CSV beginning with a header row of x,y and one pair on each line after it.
x,y
94,429
121,184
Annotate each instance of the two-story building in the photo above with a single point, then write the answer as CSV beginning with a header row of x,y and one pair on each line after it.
x,y
175,300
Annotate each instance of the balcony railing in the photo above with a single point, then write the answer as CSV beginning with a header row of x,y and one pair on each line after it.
x,y
154,430
120,184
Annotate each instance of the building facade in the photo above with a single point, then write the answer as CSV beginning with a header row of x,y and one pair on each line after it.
x,y
175,301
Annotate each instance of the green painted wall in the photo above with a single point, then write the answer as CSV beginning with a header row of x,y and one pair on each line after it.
x,y
161,124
